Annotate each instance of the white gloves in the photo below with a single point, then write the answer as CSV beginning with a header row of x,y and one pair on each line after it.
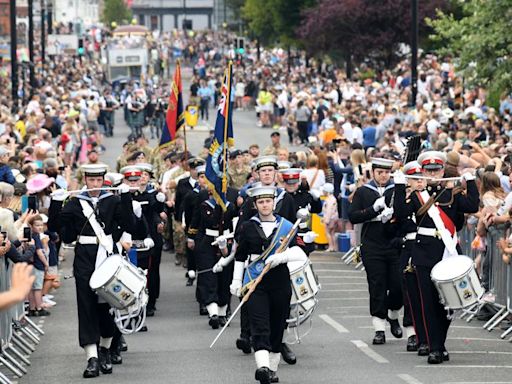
x,y
309,237
379,204
468,176
60,195
399,178
160,197
222,242
290,254
148,242
223,262
386,214
137,209
124,188
238,273
315,193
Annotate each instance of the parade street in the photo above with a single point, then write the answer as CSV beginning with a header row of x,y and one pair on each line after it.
x,y
337,350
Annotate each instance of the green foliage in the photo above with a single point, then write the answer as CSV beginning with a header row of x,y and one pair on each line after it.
x,y
480,41
275,20
115,11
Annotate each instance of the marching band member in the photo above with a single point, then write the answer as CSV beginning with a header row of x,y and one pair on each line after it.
x,y
437,210
413,318
284,206
209,232
304,198
268,306
152,202
370,206
90,219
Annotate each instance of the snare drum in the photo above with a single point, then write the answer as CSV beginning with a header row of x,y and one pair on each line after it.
x,y
118,282
457,282
305,287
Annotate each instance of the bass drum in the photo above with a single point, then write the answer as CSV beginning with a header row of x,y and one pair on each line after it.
x,y
305,288
457,282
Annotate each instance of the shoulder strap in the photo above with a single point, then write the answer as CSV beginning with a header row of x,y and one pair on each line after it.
x,y
96,227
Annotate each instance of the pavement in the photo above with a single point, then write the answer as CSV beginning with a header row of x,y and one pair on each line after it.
x,y
337,350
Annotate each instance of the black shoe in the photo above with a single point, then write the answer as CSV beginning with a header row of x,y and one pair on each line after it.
x,y
423,350
396,330
222,321
412,344
263,375
124,346
446,355
143,329
93,368
273,377
243,344
32,313
214,322
288,354
379,338
104,358
115,356
435,357
42,312
202,310
150,312
190,282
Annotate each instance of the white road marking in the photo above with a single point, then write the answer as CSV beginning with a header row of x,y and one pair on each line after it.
x,y
465,366
349,307
477,382
369,352
467,352
342,298
473,338
409,379
333,323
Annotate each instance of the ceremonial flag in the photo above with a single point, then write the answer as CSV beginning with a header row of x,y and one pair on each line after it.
x,y
174,116
217,162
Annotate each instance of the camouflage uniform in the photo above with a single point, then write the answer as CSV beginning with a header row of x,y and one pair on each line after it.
x,y
237,178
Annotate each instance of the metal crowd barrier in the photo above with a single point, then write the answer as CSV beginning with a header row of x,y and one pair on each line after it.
x,y
19,336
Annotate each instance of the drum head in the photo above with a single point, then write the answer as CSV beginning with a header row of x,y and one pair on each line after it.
x,y
294,266
451,268
105,271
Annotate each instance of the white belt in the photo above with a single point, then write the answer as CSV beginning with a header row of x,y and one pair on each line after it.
x,y
215,233
431,232
88,240
254,256
303,225
410,236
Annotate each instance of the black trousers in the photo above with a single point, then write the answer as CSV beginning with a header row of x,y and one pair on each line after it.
x,y
412,307
302,127
191,259
94,319
384,282
245,324
268,311
435,317
145,261
212,287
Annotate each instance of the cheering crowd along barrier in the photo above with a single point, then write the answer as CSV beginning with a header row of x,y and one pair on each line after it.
x,y
19,336
496,276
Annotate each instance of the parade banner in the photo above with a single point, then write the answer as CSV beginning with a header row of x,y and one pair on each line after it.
x,y
175,116
217,162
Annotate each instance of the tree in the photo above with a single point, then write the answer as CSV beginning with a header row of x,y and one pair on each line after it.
x,y
480,41
275,20
361,28
115,11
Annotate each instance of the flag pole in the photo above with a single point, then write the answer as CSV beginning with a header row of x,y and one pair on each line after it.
x,y
226,122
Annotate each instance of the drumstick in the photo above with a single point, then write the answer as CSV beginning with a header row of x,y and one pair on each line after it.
x,y
98,189
433,178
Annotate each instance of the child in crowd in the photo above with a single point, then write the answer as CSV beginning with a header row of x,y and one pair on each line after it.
x,y
51,278
40,268
330,215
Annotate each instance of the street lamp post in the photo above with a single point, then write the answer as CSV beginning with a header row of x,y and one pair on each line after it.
x,y
43,33
31,43
414,51
14,54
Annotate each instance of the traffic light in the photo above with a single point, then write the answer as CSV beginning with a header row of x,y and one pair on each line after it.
x,y
81,47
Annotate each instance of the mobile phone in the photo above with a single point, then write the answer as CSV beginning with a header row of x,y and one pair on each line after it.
x,y
4,237
62,168
27,234
32,203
